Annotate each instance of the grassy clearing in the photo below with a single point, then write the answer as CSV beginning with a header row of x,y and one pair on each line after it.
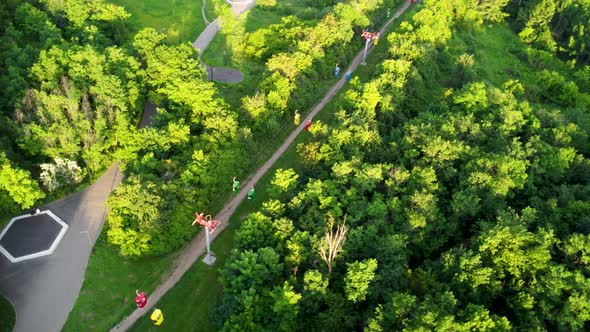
x,y
7,315
500,56
180,20
108,292
185,307
497,52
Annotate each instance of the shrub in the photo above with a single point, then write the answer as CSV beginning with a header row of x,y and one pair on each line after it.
x,y
266,3
555,89
62,174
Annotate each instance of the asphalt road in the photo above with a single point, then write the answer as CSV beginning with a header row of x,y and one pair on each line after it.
x,y
44,290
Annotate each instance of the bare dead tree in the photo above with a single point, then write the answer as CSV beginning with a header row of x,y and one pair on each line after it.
x,y
66,86
28,109
333,242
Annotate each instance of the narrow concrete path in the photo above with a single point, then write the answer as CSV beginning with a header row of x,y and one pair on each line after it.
x,y
149,114
203,7
241,6
205,38
196,247
220,74
44,290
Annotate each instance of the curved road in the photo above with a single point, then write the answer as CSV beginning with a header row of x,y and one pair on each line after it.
x,y
44,290
221,74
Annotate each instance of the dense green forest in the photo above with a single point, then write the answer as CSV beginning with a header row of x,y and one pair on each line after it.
x,y
451,192
67,93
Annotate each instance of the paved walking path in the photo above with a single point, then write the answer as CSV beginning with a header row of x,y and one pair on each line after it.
x,y
221,74
206,36
44,290
203,12
226,75
196,247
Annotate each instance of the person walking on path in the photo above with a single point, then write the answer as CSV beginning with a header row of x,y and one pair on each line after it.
x,y
297,118
140,299
157,317
307,124
235,185
337,71
251,193
348,73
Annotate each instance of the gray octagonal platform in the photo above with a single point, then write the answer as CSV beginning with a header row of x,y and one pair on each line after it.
x,y
32,235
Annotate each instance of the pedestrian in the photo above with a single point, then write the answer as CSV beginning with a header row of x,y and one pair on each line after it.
x,y
337,71
307,124
296,118
251,193
140,299
376,39
157,317
235,185
348,73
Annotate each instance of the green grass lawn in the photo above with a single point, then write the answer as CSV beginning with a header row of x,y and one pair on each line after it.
x,y
186,306
180,20
495,51
7,315
501,56
108,292
213,8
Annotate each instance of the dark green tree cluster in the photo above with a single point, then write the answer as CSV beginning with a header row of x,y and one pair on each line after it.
x,y
467,212
299,54
67,90
182,162
556,25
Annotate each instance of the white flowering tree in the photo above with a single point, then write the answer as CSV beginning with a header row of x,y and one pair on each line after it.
x,y
64,172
